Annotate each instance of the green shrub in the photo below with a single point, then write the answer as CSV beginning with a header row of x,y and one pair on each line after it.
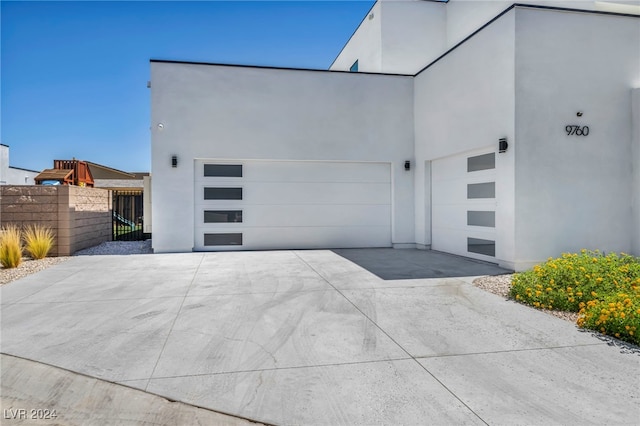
x,y
10,247
38,240
580,282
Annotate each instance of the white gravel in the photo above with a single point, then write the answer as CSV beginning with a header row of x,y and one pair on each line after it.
x,y
30,266
118,247
496,284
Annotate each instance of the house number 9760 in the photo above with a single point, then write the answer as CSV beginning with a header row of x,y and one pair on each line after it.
x,y
577,130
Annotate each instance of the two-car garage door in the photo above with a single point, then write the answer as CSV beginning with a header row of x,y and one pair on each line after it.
x,y
252,204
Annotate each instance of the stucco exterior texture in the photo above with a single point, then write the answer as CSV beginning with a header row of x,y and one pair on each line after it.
x,y
527,74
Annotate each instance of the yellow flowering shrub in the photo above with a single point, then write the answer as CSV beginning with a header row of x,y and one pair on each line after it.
x,y
616,315
581,282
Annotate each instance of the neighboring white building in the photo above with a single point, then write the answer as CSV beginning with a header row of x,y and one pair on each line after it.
x,y
264,158
14,175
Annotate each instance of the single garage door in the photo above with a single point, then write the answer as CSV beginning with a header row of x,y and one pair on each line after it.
x,y
252,204
463,189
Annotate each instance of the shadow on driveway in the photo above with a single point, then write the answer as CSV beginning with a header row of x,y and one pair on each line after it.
x,y
402,264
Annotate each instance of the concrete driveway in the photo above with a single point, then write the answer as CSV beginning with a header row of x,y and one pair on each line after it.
x,y
308,337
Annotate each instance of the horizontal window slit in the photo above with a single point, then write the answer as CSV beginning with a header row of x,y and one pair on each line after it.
x,y
480,246
223,170
223,193
226,239
481,218
481,190
481,162
222,216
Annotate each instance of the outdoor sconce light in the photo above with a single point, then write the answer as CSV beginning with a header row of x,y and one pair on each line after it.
x,y
174,161
407,165
502,145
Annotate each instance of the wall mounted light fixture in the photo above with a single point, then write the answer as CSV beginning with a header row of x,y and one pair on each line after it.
x,y
174,161
407,165
502,145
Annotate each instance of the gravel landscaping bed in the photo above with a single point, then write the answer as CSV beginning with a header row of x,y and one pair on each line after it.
x,y
500,285
118,247
30,266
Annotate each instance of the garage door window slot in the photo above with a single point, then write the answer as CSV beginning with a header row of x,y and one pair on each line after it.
x,y
481,218
481,190
481,162
480,246
223,193
226,239
222,216
223,170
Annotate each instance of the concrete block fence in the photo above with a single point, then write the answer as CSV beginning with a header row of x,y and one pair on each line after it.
x,y
79,217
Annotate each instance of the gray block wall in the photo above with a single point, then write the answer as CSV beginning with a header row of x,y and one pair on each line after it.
x,y
79,217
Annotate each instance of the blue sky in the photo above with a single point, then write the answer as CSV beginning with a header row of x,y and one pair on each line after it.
x,y
73,74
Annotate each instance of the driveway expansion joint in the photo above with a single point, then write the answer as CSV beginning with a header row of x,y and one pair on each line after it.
x,y
97,383
294,367
41,290
394,341
106,299
164,345
311,290
549,348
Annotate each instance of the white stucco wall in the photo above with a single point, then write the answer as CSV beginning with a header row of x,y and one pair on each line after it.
x,y
635,151
257,113
413,35
146,208
465,102
402,37
618,6
466,16
406,35
573,192
365,45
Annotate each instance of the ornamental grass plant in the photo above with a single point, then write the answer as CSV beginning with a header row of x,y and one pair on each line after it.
x,y
603,289
10,247
38,240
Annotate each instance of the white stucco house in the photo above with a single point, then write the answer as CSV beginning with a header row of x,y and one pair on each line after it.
x,y
498,131
10,175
